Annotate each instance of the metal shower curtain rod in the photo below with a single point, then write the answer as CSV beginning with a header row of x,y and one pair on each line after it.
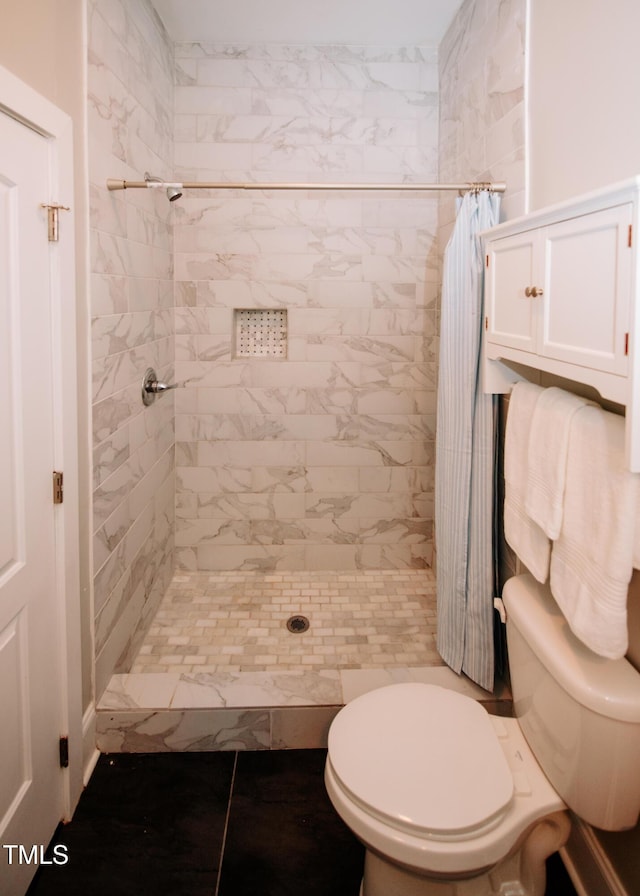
x,y
114,184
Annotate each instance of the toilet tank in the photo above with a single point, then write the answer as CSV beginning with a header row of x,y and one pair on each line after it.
x,y
579,712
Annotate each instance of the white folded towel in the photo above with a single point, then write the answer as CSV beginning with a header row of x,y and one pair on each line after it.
x,y
548,442
591,561
523,535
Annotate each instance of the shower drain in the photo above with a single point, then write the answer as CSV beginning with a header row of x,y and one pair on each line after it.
x,y
297,624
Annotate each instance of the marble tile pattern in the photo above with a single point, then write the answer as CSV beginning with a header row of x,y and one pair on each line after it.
x,y
257,686
231,622
153,713
482,113
482,103
287,702
323,459
130,126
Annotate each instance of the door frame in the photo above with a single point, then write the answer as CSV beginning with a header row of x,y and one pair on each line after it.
x,y
21,102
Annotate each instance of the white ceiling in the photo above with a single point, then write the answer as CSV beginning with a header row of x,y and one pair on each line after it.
x,y
359,22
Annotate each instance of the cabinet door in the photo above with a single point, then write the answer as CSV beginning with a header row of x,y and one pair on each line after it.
x,y
511,314
587,290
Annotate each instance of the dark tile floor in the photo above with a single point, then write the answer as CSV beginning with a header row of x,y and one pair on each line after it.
x,y
211,824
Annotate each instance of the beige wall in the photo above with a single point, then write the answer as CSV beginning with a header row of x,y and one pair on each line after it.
x,y
584,75
584,71
43,43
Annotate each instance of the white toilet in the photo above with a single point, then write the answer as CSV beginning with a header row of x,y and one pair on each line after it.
x,y
451,801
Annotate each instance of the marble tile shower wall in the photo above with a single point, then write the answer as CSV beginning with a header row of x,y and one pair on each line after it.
x,y
323,459
482,102
482,120
130,123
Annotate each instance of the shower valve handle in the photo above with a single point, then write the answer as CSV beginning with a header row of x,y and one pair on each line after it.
x,y
151,386
161,387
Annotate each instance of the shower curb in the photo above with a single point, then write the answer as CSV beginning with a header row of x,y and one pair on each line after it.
x,y
155,712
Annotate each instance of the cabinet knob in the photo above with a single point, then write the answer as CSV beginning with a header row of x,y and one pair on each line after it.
x,y
532,292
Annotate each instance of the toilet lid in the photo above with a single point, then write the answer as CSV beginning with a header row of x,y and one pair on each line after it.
x,y
422,757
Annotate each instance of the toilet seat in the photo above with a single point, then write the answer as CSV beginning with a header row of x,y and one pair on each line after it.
x,y
425,843
423,759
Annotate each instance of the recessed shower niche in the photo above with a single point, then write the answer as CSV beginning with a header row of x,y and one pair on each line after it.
x,y
260,332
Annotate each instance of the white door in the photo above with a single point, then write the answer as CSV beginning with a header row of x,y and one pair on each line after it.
x,y
31,783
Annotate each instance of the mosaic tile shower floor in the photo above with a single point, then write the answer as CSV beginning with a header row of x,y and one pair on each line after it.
x,y
220,671
236,622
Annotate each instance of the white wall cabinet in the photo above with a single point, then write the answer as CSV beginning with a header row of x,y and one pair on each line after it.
x,y
561,296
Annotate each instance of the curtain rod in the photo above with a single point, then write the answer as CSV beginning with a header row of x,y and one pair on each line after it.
x,y
113,184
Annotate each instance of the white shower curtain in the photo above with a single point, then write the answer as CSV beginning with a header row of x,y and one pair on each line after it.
x,y
465,454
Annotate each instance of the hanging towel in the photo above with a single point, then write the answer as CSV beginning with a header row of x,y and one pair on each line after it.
x,y
548,444
591,562
523,535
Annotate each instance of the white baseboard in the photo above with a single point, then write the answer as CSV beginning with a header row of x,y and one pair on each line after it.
x,y
90,753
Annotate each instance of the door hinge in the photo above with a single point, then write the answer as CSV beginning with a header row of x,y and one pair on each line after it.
x,y
486,323
626,343
53,229
58,487
630,239
487,257
64,752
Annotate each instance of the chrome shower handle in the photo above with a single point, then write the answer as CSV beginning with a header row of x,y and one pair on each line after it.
x,y
161,387
151,386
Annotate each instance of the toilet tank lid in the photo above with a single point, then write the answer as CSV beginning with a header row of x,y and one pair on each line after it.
x,y
608,687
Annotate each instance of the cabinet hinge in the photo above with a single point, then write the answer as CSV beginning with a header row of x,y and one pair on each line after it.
x,y
64,752
58,490
630,240
626,343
